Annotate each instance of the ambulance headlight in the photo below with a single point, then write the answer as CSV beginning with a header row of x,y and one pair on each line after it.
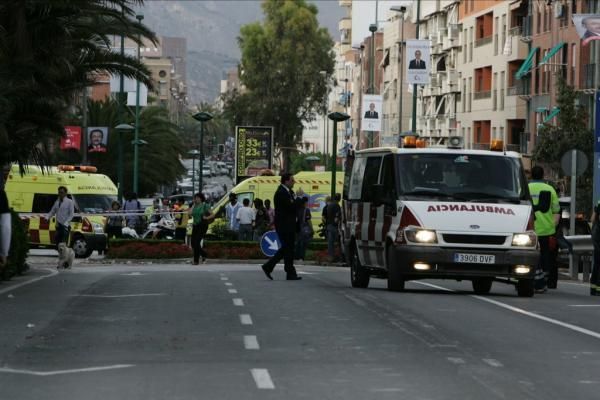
x,y
527,239
417,235
98,228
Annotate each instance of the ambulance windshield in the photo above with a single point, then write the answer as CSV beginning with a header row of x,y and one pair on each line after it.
x,y
468,177
93,203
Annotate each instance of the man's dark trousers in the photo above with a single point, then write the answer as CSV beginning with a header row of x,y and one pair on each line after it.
x,y
286,251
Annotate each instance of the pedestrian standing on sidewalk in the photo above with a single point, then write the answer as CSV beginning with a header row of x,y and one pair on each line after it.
x,y
201,217
135,220
261,219
545,227
63,209
5,228
286,211
270,214
181,219
114,224
245,217
595,278
231,214
305,230
333,216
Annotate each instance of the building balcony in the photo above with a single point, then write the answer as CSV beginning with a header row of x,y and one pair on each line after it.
x,y
484,41
517,90
345,3
345,24
482,95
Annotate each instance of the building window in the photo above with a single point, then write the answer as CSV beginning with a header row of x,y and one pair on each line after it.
x,y
494,95
502,90
573,63
469,87
471,39
496,37
483,83
464,94
539,22
503,33
494,133
536,72
465,48
502,133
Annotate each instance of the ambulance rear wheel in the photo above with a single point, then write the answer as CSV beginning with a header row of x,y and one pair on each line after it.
x,y
525,287
81,247
396,281
359,276
482,285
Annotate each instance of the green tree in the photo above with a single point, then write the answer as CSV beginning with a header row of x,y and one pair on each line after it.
x,y
281,64
158,161
571,132
50,51
216,130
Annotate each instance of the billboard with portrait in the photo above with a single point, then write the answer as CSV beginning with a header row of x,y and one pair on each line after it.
x,y
71,138
372,114
97,139
587,26
418,61
253,150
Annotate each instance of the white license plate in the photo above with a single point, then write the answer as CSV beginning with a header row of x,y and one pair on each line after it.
x,y
474,258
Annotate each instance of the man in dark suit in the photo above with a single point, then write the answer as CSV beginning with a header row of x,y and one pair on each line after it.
x,y
371,113
286,210
417,63
97,142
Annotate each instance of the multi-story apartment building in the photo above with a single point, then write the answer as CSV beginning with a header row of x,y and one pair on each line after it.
x,y
491,53
437,102
395,87
555,51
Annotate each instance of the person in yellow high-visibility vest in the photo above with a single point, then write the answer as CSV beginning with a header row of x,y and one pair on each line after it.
x,y
181,220
545,227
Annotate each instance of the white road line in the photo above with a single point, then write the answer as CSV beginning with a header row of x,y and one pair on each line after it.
x,y
232,291
66,371
262,378
572,327
116,296
228,284
245,319
251,342
456,360
492,362
224,278
584,305
238,302
39,278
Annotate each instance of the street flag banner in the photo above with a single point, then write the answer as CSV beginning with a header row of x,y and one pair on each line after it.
x,y
253,150
587,26
418,61
372,105
143,96
97,139
71,138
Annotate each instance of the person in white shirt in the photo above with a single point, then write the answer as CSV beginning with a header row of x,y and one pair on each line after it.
x,y
63,209
5,228
245,217
231,211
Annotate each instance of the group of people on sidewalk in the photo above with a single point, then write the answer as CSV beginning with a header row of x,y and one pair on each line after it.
x,y
246,222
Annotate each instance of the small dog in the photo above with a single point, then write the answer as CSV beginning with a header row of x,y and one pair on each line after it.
x,y
66,256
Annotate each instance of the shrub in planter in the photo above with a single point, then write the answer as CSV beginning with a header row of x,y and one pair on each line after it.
x,y
19,247
219,230
153,249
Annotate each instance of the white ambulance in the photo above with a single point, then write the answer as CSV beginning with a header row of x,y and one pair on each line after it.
x,y
439,213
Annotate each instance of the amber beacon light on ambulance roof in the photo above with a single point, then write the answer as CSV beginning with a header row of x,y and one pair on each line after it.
x,y
81,168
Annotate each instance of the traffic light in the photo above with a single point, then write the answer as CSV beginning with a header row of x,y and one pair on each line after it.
x,y
221,149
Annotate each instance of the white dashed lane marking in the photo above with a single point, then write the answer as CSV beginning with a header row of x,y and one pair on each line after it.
x,y
262,378
492,363
228,284
251,342
245,319
238,302
232,291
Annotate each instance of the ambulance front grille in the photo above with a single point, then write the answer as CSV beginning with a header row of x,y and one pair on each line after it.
x,y
473,239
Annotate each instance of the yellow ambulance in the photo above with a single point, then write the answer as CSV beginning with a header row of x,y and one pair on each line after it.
x,y
36,191
316,185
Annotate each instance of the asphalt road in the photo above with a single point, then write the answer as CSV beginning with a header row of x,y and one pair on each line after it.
x,y
226,332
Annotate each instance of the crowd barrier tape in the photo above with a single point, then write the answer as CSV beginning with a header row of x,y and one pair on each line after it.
x,y
109,214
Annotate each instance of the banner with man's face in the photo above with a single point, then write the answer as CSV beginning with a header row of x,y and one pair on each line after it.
x,y
71,139
587,26
371,112
97,139
417,61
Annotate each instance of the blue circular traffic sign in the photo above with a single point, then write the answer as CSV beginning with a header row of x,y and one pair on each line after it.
x,y
270,243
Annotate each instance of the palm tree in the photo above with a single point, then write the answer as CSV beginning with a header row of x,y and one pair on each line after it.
x,y
49,51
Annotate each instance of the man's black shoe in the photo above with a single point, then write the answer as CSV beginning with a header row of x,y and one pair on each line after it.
x,y
293,278
267,272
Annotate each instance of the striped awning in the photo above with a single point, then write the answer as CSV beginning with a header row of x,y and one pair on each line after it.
x,y
526,66
552,114
552,52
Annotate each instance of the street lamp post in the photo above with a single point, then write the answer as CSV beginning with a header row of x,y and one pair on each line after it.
x,y
136,140
121,129
194,153
203,117
372,29
401,10
335,117
414,99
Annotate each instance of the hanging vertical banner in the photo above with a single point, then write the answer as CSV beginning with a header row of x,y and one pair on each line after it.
x,y
417,69
253,150
597,149
97,139
71,138
372,105
587,26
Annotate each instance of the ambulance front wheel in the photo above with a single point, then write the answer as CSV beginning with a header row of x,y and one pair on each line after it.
x,y
359,276
81,247
525,287
396,280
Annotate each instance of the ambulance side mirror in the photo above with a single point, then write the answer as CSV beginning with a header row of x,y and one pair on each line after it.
x,y
543,204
